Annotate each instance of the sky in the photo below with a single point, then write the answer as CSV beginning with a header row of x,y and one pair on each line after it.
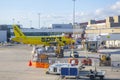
x,y
26,12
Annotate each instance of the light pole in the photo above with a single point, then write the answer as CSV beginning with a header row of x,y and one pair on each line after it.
x,y
72,45
39,20
73,17
74,12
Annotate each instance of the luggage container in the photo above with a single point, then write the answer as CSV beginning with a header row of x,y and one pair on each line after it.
x,y
69,72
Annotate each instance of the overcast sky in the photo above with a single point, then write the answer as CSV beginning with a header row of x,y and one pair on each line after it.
x,y
26,12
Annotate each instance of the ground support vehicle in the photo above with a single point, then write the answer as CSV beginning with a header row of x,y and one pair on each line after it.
x,y
74,54
56,68
74,71
59,52
92,74
39,59
92,46
105,60
67,70
87,61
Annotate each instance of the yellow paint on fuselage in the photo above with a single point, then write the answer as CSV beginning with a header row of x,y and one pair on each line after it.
x,y
39,40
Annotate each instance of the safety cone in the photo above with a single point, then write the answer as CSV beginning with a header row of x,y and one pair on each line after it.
x,y
30,63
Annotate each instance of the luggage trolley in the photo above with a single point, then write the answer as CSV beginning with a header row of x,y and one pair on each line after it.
x,y
71,71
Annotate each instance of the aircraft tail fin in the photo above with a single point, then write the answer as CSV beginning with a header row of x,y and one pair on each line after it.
x,y
17,31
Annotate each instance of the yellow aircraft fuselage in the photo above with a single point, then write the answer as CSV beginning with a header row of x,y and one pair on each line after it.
x,y
40,40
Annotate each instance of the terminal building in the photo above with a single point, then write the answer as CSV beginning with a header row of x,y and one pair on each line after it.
x,y
107,30
3,36
57,29
5,33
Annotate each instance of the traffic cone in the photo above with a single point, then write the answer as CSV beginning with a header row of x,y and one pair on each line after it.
x,y
30,63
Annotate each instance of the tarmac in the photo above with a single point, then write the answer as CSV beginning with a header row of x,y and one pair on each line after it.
x,y
14,60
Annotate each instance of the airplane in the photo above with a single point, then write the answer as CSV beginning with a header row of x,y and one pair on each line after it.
x,y
40,40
